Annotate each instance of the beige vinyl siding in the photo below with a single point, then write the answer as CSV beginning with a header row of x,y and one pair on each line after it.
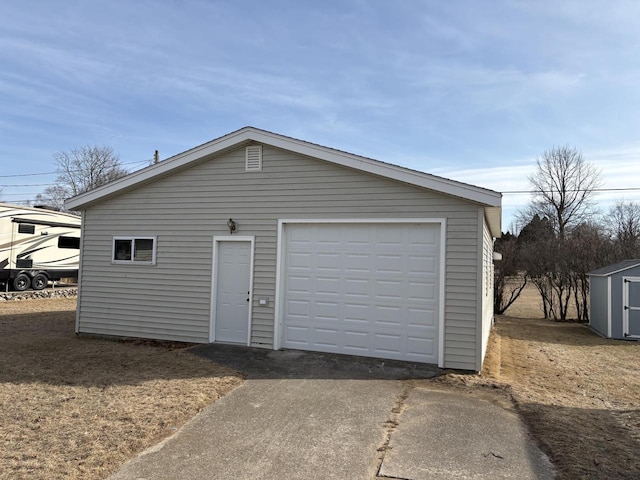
x,y
185,209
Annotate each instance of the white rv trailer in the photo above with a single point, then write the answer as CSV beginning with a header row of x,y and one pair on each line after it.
x,y
37,245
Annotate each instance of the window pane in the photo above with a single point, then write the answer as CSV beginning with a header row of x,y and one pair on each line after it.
x,y
69,242
122,250
144,250
25,228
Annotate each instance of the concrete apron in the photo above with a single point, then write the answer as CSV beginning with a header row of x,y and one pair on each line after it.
x,y
359,426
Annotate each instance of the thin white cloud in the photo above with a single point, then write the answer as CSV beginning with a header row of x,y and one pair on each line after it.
x,y
620,174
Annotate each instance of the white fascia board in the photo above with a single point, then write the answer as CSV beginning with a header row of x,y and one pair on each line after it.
x,y
439,184
472,193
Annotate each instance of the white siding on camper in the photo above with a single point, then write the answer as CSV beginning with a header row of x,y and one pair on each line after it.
x,y
186,209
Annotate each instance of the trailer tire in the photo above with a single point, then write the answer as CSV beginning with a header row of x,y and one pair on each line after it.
x,y
39,281
21,282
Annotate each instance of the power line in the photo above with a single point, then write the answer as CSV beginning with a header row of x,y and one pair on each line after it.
x,y
56,173
27,175
625,189
27,185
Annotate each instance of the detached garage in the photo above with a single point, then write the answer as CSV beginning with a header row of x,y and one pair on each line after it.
x,y
264,240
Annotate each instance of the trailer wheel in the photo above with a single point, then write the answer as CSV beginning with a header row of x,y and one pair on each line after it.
x,y
39,281
21,282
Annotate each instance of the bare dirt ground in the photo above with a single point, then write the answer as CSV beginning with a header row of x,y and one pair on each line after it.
x,y
78,407
578,393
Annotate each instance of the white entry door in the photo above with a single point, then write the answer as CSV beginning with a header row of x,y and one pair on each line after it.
x,y
232,291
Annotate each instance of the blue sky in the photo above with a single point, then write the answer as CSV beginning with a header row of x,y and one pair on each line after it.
x,y
470,90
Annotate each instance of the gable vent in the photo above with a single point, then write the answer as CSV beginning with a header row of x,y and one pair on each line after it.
x,y
253,161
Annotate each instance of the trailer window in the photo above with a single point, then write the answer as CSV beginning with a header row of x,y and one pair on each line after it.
x,y
128,250
26,228
69,242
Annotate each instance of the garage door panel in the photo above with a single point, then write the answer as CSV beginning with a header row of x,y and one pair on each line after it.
x,y
387,264
421,347
356,341
362,289
359,312
421,317
387,343
328,262
299,284
389,289
326,337
327,310
388,315
356,263
421,264
421,291
357,287
325,286
297,336
300,261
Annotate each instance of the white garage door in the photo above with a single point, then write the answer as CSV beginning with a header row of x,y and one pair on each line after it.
x,y
363,289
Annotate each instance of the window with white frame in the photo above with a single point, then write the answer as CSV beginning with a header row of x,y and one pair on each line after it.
x,y
134,250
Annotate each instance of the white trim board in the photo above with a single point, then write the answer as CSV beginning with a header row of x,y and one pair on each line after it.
x,y
278,310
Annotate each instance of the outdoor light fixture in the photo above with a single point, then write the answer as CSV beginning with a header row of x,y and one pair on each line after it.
x,y
232,226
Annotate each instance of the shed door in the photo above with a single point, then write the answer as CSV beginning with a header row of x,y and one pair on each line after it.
x,y
631,312
363,289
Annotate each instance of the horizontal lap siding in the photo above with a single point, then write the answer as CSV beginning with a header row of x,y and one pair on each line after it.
x,y
186,209
487,290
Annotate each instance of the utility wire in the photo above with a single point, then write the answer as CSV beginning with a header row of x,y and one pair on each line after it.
x,y
27,185
55,173
625,189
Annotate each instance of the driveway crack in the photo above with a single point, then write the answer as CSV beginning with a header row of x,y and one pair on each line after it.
x,y
392,423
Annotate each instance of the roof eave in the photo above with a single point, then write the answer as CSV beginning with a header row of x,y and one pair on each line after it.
x,y
613,272
484,197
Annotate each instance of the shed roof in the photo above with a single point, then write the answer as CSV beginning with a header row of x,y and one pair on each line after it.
x,y
489,199
615,268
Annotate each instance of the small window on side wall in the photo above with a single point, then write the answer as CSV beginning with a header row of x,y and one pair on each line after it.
x,y
26,228
69,242
134,250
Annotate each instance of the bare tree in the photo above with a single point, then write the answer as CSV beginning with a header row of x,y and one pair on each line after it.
x,y
80,170
536,258
623,222
509,280
564,186
53,197
85,168
588,248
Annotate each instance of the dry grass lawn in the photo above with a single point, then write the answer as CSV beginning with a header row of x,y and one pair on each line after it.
x,y
79,407
578,393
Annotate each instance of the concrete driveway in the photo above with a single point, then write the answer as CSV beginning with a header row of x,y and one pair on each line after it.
x,y
304,415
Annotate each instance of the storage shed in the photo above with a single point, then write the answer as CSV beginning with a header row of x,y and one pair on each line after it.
x,y
264,240
614,293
